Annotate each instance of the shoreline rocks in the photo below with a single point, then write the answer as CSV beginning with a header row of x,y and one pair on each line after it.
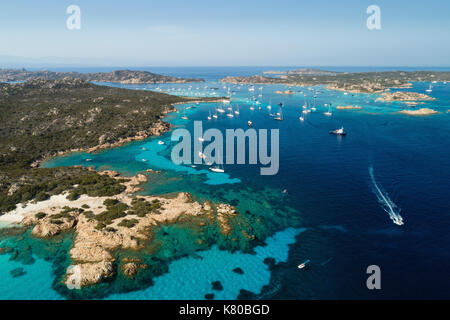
x,y
348,107
419,112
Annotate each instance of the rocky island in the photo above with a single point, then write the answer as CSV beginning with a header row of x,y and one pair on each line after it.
x,y
118,76
419,112
404,96
349,107
356,82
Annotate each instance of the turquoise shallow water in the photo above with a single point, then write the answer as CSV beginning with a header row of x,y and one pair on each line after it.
x,y
330,192
191,278
35,284
187,278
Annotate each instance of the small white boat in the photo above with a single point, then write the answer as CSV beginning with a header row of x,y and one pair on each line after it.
x,y
88,160
304,264
230,115
160,142
430,89
339,132
201,155
201,139
215,116
301,119
279,116
249,123
144,148
184,118
252,108
216,169
220,110
144,160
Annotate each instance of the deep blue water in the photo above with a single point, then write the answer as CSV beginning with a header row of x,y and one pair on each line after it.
x,y
329,190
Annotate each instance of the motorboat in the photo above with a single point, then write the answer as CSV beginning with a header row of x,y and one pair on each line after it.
x,y
339,132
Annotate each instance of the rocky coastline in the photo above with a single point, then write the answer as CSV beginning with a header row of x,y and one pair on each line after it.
x,y
404,96
92,253
159,128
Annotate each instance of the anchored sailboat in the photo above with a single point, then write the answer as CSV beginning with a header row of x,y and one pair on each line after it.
x,y
280,116
328,113
219,168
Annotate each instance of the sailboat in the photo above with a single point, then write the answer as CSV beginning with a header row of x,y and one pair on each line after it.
x,y
201,155
280,116
184,117
215,116
430,89
250,123
236,111
219,168
209,117
301,119
328,113
314,107
230,115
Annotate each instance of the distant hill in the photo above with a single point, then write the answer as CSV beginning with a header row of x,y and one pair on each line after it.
x,y
367,82
118,76
304,71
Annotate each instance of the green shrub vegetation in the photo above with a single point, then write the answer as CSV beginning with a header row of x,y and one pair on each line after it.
x,y
40,118
40,215
128,223
114,210
141,207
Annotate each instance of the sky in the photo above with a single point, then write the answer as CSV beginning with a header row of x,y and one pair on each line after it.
x,y
225,33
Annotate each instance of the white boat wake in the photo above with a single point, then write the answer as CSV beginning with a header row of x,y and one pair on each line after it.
x,y
383,198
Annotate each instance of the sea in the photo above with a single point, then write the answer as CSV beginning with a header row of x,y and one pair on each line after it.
x,y
337,201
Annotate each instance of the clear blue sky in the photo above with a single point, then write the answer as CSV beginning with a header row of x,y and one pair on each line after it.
x,y
231,32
